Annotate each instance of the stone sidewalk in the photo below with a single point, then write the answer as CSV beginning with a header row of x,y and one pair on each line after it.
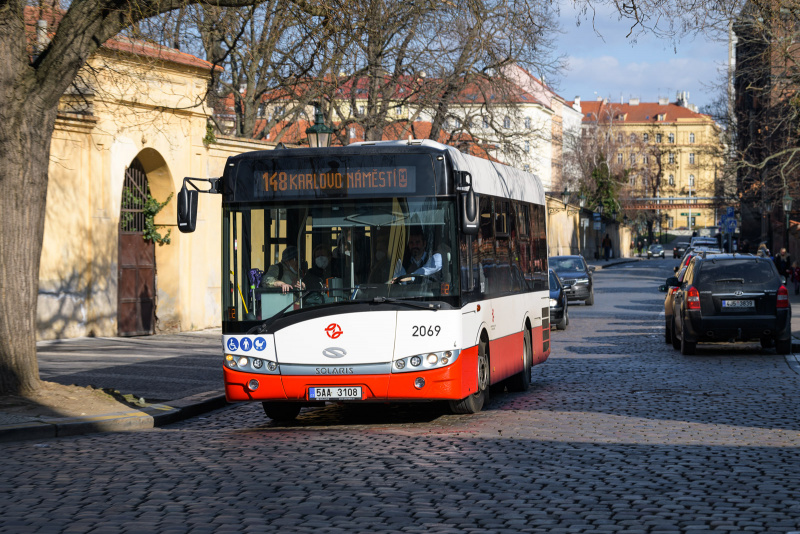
x,y
178,376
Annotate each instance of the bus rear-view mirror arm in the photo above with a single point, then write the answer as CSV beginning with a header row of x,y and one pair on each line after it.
x,y
468,203
187,201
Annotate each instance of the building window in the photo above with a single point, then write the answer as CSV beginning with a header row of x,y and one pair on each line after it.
x,y
633,180
361,110
633,159
633,138
485,122
619,138
645,137
619,157
672,138
691,158
691,138
506,122
456,122
526,168
670,222
671,179
399,110
691,180
527,146
645,158
658,138
352,132
672,157
528,123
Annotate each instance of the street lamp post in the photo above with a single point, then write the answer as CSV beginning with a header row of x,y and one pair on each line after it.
x,y
787,208
319,135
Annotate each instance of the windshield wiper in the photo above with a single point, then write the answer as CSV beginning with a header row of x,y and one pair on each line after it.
x,y
412,303
729,280
262,328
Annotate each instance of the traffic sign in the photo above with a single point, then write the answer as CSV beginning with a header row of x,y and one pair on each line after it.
x,y
731,226
730,212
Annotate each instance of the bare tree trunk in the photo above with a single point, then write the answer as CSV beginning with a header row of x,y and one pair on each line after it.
x,y
25,137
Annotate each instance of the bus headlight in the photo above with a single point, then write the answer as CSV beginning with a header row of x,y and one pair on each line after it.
x,y
428,361
243,361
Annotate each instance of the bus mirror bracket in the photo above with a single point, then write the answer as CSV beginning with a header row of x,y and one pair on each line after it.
x,y
463,181
187,201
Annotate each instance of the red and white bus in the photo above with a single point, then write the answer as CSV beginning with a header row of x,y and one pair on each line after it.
x,y
372,325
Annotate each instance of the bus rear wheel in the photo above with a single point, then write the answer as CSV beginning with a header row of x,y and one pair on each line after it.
x,y
281,411
522,380
474,403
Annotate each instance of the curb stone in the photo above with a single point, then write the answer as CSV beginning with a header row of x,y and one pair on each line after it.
x,y
153,416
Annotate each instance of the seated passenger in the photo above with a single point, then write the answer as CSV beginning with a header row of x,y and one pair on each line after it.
x,y
284,275
314,279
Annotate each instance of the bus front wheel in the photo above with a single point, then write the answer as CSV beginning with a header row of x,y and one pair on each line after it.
x,y
474,403
281,411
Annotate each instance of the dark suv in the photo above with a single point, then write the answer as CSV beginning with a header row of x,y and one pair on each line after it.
x,y
730,297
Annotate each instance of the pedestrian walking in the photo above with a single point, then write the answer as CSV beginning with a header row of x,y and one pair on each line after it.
x,y
606,247
796,277
783,262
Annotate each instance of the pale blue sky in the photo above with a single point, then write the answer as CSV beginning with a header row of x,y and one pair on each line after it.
x,y
611,66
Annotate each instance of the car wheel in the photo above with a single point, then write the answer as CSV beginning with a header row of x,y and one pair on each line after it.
x,y
783,346
676,343
766,342
562,324
474,403
590,300
281,411
687,347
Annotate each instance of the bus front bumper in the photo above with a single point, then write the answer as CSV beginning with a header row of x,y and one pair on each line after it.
x,y
453,382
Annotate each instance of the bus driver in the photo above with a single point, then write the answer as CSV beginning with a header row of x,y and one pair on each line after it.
x,y
418,260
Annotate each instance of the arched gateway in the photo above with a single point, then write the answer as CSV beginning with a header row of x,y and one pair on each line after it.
x,y
137,259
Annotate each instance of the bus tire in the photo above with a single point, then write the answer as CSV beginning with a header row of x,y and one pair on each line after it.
x,y
522,381
474,403
281,411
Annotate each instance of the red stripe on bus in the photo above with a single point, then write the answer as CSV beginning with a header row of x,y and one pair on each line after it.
x,y
454,382
505,356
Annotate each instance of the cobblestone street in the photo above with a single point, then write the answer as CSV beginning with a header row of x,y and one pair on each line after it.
x,y
619,433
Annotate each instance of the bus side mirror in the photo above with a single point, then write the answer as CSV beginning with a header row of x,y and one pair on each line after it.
x,y
468,202
187,209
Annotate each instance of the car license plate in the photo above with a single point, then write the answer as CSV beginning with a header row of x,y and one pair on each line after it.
x,y
335,393
738,304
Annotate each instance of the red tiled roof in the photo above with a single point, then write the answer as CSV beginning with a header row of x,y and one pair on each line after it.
x,y
294,133
594,110
119,43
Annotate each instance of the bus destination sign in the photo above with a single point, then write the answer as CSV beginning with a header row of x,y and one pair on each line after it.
x,y
360,181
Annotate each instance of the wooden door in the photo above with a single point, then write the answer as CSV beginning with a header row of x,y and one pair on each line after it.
x,y
137,260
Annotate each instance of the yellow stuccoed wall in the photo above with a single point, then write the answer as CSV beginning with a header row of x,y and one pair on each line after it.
x,y
153,111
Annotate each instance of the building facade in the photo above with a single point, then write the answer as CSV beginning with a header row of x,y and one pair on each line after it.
x,y
665,155
134,131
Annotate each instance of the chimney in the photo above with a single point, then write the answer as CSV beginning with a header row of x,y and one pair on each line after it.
x,y
682,98
634,101
576,105
42,40
663,101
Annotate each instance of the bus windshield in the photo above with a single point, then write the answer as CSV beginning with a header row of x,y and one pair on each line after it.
x,y
289,258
